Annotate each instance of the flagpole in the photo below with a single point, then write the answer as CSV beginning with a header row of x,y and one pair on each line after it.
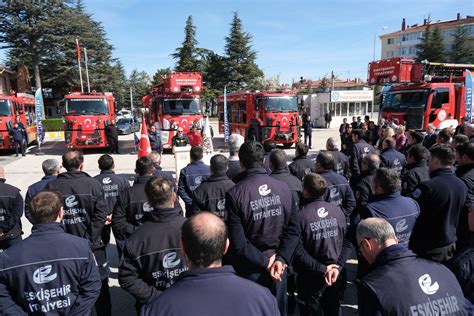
x,y
87,70
79,64
39,123
134,152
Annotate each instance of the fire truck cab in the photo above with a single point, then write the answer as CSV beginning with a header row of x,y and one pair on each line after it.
x,y
421,93
175,103
86,116
262,116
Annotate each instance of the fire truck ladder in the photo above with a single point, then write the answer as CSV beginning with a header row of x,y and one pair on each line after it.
x,y
444,70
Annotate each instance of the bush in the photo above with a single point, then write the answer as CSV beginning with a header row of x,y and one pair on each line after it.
x,y
53,125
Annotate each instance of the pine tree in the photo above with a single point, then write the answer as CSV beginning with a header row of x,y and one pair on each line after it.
x,y
140,83
423,48
461,52
431,47
158,76
186,55
241,70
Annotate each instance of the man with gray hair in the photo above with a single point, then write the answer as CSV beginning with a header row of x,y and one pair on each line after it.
x,y
417,286
235,141
51,169
341,161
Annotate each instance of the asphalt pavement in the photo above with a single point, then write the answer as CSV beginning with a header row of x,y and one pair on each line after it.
x,y
23,171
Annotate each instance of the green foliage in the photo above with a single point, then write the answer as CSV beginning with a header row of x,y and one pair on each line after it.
x,y
186,55
240,67
461,52
140,83
158,76
431,46
53,125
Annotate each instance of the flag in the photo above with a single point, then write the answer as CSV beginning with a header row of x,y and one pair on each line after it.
x,y
207,141
144,147
78,50
469,87
39,116
226,119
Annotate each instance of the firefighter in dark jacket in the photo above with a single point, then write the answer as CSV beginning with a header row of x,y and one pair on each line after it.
x,y
301,165
341,161
416,169
390,157
210,195
51,168
180,139
11,210
112,137
17,136
259,203
280,172
155,139
132,205
152,257
50,272
465,172
209,288
400,283
191,176
85,215
359,150
441,200
113,186
338,190
364,185
316,258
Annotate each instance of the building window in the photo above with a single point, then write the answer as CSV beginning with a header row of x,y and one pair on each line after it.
x,y
389,53
390,41
412,50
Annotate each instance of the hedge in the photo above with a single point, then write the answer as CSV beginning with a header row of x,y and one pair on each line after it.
x,y
53,125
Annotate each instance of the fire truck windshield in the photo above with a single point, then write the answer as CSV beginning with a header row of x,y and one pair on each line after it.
x,y
398,100
5,108
181,106
280,104
86,106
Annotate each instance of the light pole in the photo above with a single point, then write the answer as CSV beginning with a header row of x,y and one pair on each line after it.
x,y
375,36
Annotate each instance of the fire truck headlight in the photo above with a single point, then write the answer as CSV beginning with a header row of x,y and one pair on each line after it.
x,y
198,88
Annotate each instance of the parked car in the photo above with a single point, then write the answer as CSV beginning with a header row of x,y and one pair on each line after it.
x,y
127,126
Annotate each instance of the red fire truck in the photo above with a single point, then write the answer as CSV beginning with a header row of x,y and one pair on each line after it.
x,y
262,115
175,103
421,93
85,117
20,105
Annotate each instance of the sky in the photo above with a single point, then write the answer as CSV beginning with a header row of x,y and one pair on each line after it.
x,y
292,38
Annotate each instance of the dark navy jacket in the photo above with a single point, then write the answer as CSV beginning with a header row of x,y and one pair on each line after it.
x,y
210,196
465,236
323,228
213,292
16,134
339,192
32,190
364,187
113,186
85,208
159,172
401,212
301,166
358,151
234,168
190,178
429,140
293,183
441,200
391,158
412,175
155,142
130,209
341,163
11,210
49,273
152,257
402,284
262,220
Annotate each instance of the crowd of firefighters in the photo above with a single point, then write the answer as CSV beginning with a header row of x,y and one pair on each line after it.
x,y
257,236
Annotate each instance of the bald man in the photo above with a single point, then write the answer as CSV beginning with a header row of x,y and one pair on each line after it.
x,y
11,210
209,288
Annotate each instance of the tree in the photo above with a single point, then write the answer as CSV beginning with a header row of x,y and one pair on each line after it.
x,y
140,83
461,52
186,55
158,76
324,84
240,66
431,46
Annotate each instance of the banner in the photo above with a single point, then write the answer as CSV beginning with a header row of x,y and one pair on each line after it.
x,y
39,116
468,95
226,119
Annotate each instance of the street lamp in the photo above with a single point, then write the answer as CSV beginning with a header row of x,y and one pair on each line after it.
x,y
375,35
